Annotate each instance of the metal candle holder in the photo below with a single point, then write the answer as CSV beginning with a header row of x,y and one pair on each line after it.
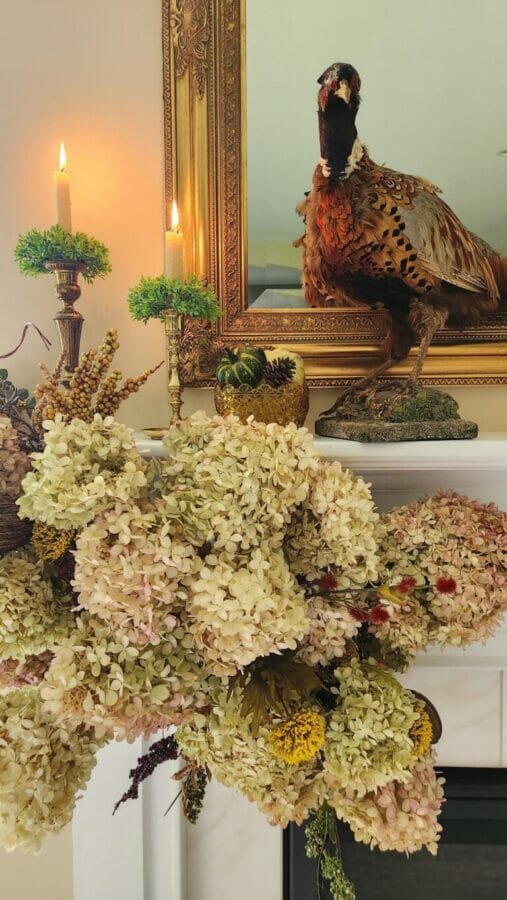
x,y
172,326
69,321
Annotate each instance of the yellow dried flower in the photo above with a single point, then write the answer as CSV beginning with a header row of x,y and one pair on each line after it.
x,y
299,738
50,543
421,735
391,595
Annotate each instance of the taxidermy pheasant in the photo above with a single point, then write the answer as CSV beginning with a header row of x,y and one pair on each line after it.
x,y
376,236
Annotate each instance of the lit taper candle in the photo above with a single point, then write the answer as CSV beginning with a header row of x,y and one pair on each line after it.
x,y
62,187
173,267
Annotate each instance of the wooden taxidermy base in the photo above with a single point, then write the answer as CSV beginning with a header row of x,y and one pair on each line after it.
x,y
396,411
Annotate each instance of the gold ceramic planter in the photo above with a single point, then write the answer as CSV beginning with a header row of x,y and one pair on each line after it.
x,y
265,403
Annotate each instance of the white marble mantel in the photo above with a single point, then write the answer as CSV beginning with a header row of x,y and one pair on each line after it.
x,y
232,854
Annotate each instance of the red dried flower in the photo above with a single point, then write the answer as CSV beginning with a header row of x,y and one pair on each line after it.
x,y
379,615
446,585
358,614
328,582
406,585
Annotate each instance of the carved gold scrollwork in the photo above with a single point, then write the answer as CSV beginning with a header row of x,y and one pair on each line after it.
x,y
199,351
190,28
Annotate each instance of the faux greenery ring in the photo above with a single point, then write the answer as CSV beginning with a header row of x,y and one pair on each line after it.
x,y
151,297
36,248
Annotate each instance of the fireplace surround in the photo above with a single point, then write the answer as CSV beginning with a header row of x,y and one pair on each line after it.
x,y
471,862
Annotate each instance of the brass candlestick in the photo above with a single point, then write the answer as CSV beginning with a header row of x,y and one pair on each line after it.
x,y
172,326
69,321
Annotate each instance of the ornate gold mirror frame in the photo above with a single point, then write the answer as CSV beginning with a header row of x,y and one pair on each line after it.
x,y
205,170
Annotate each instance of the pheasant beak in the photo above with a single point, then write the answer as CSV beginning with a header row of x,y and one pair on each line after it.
x,y
343,91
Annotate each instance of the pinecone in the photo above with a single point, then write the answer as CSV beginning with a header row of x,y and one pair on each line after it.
x,y
280,371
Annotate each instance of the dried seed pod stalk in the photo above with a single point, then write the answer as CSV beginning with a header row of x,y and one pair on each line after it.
x,y
92,388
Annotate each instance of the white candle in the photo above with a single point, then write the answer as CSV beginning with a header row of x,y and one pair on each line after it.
x,y
173,267
62,188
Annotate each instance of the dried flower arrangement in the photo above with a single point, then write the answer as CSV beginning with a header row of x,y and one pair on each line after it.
x,y
249,595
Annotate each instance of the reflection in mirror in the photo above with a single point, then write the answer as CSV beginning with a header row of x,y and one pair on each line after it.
x,y
433,83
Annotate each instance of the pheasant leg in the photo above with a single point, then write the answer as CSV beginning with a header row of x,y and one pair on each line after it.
x,y
426,320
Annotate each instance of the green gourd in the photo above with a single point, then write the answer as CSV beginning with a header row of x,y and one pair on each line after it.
x,y
242,365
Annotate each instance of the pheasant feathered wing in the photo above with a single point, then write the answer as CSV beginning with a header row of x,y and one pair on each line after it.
x,y
410,216
446,249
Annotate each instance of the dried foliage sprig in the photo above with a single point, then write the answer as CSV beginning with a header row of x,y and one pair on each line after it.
x,y
17,404
161,751
194,781
269,686
91,390
36,248
323,844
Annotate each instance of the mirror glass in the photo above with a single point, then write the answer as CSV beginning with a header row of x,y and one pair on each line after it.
x,y
434,75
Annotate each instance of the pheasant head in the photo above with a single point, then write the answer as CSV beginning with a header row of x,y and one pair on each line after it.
x,y
338,103
341,81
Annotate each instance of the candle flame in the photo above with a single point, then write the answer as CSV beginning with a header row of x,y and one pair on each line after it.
x,y
63,157
175,219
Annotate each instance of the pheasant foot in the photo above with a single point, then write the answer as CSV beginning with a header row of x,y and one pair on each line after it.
x,y
358,392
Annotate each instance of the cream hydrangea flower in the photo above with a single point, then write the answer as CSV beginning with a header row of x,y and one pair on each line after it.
x,y
122,690
243,606
42,767
331,626
335,529
132,572
223,741
14,462
408,628
367,740
402,815
457,549
237,483
83,465
32,615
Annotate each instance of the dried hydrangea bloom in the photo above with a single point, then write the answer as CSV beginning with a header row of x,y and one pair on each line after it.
x,y
42,768
458,549
368,737
407,628
402,815
122,690
235,482
243,606
223,741
32,615
132,572
83,465
14,462
331,626
336,529
17,673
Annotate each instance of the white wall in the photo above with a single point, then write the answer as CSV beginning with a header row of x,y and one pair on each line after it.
x,y
91,73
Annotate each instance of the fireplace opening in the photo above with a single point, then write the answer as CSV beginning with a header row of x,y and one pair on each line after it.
x,y
471,863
